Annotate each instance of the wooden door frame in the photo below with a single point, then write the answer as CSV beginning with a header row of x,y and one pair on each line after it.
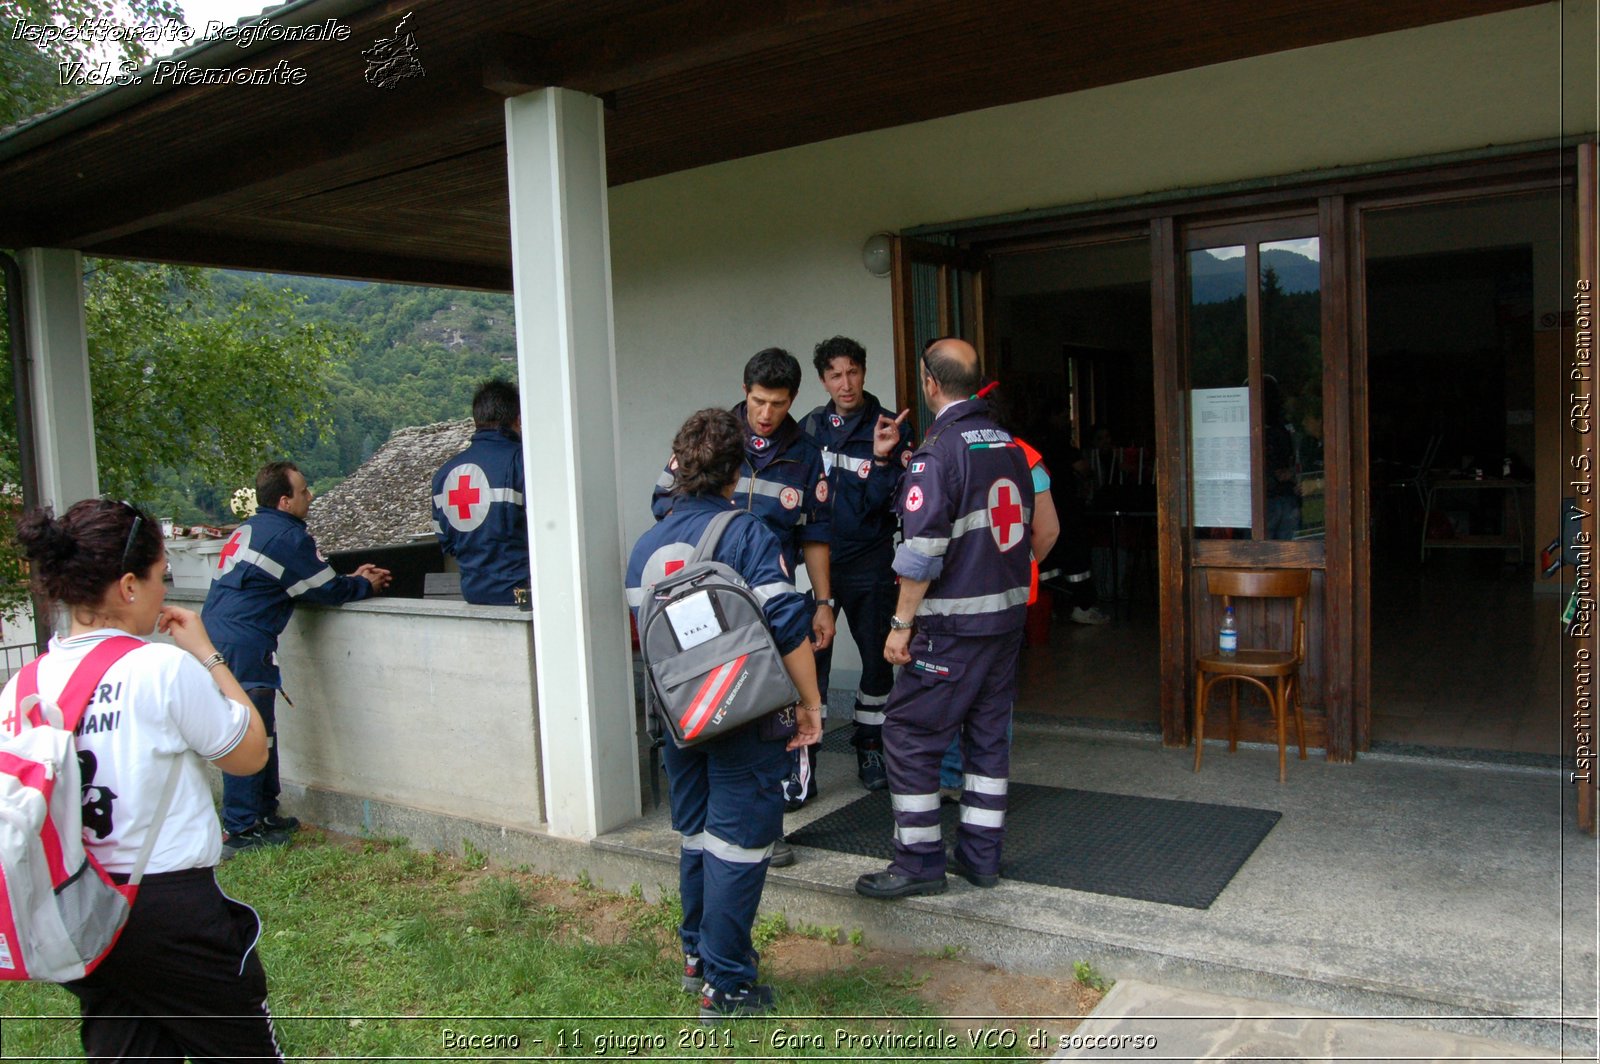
x,y
1339,202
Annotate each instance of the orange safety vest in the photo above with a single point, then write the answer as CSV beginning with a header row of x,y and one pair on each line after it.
x,y
1034,458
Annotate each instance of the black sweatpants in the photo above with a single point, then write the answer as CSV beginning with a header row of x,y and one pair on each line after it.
x,y
184,979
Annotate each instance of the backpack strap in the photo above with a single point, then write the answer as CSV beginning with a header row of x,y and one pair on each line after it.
x,y
76,695
712,536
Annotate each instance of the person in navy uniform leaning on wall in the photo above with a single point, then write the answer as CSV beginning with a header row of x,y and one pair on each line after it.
x,y
782,481
478,510
726,796
865,449
269,564
965,506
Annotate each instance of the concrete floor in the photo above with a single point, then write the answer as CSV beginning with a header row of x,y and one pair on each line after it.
x,y
1453,893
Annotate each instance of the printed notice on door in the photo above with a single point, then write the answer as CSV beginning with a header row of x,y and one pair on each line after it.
x,y
1220,445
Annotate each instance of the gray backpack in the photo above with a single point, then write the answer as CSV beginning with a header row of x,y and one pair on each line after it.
x,y
712,662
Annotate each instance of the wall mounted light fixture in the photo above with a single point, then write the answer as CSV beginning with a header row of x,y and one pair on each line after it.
x,y
877,254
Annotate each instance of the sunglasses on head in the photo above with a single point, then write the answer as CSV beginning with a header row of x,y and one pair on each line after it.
x,y
133,535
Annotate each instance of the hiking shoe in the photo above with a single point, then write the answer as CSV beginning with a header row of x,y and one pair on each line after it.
x,y
782,855
1089,616
693,973
955,867
251,839
752,999
870,770
284,825
888,884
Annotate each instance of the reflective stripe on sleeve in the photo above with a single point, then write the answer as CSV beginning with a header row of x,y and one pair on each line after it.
x,y
947,607
727,851
983,818
312,582
771,591
931,546
770,489
914,803
983,784
511,495
911,836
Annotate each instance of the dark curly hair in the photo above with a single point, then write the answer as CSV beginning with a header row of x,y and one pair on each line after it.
x,y
775,368
709,450
838,347
76,557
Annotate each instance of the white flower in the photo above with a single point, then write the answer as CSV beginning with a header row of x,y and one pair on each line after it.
x,y
243,503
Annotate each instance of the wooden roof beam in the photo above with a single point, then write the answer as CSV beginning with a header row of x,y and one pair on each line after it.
x,y
231,253
670,39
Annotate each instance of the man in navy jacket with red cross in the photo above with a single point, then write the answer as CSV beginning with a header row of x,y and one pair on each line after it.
x,y
966,501
479,512
269,564
865,450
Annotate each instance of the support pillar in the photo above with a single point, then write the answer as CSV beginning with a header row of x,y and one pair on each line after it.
x,y
561,280
62,404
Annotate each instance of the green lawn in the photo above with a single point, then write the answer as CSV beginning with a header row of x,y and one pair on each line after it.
x,y
376,950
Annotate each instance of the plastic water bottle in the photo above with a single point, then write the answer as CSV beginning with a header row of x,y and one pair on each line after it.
x,y
1228,638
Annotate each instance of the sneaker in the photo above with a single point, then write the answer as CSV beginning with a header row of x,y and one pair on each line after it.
x,y
870,769
283,824
749,1000
693,974
782,855
1089,616
251,839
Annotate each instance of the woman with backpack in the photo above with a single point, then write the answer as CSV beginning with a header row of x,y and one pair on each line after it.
x,y
184,978
726,797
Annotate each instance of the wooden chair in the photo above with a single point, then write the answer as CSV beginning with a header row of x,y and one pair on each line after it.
x,y
1256,666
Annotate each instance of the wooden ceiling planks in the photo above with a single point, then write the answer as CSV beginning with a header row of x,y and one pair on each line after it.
x,y
331,165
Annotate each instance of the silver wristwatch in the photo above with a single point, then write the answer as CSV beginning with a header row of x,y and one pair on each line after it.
x,y
897,625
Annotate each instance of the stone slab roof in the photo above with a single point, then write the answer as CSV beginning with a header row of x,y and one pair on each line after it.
x,y
385,502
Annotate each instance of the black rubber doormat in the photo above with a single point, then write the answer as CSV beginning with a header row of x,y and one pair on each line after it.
x,y
1153,849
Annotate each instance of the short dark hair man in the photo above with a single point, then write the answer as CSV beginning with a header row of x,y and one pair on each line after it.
x,y
269,564
865,450
784,484
966,501
479,513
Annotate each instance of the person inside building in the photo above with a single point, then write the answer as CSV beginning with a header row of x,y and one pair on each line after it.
x,y
184,978
479,513
268,565
966,503
865,449
782,481
727,798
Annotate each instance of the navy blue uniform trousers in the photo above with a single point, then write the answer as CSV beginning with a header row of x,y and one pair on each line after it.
x,y
867,595
955,685
727,803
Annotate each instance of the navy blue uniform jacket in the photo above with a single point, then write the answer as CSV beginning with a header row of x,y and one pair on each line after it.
x,y
749,547
480,517
966,505
782,482
863,489
268,564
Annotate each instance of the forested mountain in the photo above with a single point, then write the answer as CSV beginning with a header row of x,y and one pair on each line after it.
x,y
418,353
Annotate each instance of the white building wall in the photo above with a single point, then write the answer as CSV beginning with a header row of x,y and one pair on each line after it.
x,y
712,264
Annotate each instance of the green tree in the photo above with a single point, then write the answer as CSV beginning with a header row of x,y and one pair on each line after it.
x,y
30,63
186,383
